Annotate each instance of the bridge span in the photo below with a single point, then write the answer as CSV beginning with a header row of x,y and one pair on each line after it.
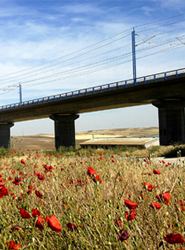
x,y
166,91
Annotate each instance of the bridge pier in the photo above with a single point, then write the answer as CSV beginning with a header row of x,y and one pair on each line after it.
x,y
5,134
171,121
64,130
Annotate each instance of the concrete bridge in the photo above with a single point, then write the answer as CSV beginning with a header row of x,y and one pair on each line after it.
x,y
166,91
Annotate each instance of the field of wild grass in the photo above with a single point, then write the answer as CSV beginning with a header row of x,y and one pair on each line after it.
x,y
90,200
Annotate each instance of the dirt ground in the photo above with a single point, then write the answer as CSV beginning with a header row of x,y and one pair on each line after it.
x,y
47,142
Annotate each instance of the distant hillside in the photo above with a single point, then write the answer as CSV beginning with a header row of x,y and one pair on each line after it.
x,y
124,132
43,141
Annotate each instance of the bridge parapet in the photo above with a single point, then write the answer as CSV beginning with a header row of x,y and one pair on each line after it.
x,y
98,89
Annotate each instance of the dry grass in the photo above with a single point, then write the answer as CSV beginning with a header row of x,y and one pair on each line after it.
x,y
93,206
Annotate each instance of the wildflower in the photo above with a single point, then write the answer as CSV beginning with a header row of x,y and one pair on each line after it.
x,y
24,214
72,226
131,205
38,194
174,238
118,222
3,190
155,205
148,186
40,223
131,216
97,179
15,228
41,177
17,181
123,235
91,171
165,197
156,172
23,162
35,212
12,245
53,223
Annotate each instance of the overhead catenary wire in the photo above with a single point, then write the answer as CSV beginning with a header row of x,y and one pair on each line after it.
x,y
54,65
103,41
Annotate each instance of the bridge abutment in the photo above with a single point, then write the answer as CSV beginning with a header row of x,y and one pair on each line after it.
x,y
5,134
171,121
64,130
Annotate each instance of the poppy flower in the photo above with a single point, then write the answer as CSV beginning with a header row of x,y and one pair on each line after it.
x,y
72,226
17,181
23,162
148,186
15,228
118,222
123,235
131,205
53,223
165,197
155,205
156,172
3,190
12,245
41,177
38,194
35,212
40,223
174,238
91,171
130,217
24,214
97,179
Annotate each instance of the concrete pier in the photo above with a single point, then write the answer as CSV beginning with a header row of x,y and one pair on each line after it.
x,y
5,134
64,130
171,121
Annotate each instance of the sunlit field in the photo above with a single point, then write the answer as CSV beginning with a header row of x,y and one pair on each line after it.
x,y
90,199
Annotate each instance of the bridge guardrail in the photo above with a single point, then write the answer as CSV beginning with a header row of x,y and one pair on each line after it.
x,y
98,89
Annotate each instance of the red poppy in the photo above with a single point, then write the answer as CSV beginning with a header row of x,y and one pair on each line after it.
x,y
148,186
3,190
41,177
38,194
15,228
131,205
12,245
35,212
174,238
156,172
23,162
97,179
130,217
118,222
17,181
91,171
72,226
53,223
165,197
123,235
24,214
155,205
40,223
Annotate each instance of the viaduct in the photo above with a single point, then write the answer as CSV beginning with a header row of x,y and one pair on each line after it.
x,y
166,91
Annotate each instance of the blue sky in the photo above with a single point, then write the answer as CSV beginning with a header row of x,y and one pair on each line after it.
x,y
55,46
